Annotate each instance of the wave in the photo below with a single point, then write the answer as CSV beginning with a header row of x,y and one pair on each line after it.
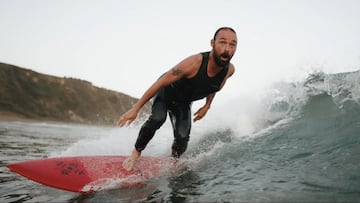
x,y
306,135
319,102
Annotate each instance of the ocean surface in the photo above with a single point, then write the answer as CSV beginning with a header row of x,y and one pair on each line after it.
x,y
294,142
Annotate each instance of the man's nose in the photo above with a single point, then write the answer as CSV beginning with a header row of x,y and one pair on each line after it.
x,y
227,47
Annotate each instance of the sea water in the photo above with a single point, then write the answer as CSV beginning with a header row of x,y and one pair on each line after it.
x,y
296,141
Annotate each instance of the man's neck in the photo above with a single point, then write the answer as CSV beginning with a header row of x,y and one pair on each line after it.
x,y
213,68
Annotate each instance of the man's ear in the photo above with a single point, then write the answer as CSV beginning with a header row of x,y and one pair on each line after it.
x,y
212,42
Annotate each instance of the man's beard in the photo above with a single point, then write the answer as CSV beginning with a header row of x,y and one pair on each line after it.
x,y
220,62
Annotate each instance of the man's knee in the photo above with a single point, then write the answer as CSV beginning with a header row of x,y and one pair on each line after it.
x,y
147,132
154,122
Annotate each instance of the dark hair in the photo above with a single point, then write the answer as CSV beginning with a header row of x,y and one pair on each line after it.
x,y
223,28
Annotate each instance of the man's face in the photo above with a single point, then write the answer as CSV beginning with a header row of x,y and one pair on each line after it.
x,y
224,47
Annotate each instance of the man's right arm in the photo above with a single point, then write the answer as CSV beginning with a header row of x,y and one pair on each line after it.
x,y
185,68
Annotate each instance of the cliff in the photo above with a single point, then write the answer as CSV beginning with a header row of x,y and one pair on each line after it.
x,y
34,95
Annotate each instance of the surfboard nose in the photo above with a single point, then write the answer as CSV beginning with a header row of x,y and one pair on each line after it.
x,y
85,174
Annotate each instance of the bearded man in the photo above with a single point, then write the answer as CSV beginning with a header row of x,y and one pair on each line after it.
x,y
196,77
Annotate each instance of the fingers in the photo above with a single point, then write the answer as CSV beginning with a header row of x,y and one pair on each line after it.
x,y
121,123
197,117
127,118
124,121
199,114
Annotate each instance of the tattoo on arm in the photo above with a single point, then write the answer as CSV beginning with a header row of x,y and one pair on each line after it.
x,y
175,71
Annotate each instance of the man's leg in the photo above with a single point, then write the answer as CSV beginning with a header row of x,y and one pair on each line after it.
x,y
147,131
180,115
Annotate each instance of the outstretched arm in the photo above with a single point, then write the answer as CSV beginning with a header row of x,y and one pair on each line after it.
x,y
185,68
131,115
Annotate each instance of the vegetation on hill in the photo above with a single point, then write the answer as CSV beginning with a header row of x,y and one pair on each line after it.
x,y
39,96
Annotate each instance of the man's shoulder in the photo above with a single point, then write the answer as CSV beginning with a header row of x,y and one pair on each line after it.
x,y
231,70
191,64
193,61
196,57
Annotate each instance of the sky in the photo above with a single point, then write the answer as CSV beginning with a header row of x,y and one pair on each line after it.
x,y
125,45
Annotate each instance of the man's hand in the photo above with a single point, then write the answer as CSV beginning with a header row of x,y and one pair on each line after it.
x,y
127,118
200,113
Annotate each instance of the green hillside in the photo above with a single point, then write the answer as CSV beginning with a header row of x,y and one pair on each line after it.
x,y
38,96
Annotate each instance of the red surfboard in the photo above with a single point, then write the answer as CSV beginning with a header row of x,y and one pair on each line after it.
x,y
86,174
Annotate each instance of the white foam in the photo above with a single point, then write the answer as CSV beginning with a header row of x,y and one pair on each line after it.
x,y
112,183
118,141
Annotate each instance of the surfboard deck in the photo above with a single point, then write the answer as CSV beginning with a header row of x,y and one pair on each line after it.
x,y
86,174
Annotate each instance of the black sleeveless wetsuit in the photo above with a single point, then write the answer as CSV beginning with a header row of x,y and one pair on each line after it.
x,y
198,87
176,100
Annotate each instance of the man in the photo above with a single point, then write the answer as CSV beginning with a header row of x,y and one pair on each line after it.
x,y
194,78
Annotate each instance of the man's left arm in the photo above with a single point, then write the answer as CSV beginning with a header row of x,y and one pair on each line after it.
x,y
204,109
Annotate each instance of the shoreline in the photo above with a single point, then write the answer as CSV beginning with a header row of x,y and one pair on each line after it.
x,y
14,117
6,116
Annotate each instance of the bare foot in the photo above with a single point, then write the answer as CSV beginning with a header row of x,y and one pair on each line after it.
x,y
129,162
173,162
